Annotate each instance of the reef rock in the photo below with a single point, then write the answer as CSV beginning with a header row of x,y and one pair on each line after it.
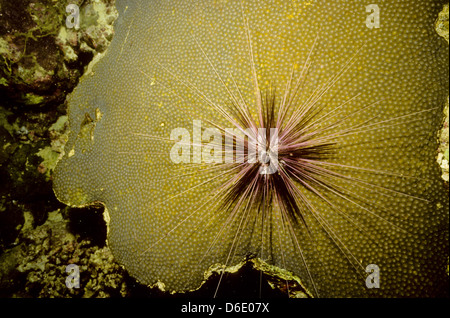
x,y
42,56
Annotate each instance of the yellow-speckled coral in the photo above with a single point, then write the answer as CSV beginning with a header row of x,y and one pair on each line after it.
x,y
378,90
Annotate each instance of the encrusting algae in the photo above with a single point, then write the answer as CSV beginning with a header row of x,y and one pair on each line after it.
x,y
357,106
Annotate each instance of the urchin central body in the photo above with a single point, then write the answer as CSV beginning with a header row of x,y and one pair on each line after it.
x,y
285,161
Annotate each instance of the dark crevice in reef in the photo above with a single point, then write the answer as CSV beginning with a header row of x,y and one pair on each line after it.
x,y
88,224
246,282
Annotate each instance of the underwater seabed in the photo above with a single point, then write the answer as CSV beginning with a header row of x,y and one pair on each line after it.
x,y
39,236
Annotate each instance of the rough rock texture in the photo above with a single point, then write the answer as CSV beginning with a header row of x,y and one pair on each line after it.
x,y
173,62
28,153
40,61
41,58
37,266
443,157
